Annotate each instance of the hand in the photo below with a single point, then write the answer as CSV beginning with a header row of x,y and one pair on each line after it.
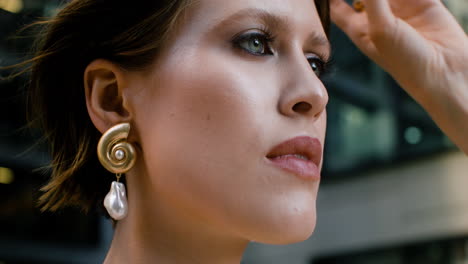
x,y
423,47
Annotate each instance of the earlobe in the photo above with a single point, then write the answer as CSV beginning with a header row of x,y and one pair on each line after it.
x,y
104,82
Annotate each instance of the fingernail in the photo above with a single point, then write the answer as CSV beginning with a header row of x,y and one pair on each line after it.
x,y
358,5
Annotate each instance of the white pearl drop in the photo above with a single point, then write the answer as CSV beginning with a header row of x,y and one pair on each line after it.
x,y
119,154
116,201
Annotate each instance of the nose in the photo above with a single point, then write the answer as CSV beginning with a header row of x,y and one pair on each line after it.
x,y
303,93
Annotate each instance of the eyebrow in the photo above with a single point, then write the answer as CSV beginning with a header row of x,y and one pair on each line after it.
x,y
275,22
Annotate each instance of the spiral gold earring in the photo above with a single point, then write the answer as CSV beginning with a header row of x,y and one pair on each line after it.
x,y
117,156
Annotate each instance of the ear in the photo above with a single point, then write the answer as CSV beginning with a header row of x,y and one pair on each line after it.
x,y
104,84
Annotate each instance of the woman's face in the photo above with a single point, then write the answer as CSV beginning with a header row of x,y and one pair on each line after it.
x,y
238,79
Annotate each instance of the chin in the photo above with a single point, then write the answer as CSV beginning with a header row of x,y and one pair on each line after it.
x,y
291,229
295,234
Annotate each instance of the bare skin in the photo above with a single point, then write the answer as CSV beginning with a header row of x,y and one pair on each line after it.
x,y
423,47
203,118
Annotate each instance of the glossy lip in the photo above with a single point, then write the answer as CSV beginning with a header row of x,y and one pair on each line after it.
x,y
284,157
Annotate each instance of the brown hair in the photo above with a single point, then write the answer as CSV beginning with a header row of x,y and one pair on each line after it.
x,y
81,32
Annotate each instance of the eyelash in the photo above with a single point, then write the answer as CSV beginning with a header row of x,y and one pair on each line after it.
x,y
266,38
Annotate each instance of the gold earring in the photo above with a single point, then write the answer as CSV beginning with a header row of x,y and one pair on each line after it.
x,y
117,156
358,5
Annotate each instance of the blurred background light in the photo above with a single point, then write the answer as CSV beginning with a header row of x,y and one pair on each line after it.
x,y
413,135
13,6
6,176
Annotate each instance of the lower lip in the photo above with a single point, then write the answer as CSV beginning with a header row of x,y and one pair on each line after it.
x,y
304,169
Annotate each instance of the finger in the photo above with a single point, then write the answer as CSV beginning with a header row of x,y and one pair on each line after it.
x,y
382,24
347,19
341,13
379,13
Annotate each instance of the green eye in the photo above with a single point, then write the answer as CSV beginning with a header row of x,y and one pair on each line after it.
x,y
254,43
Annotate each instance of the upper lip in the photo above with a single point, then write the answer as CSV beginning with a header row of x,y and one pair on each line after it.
x,y
302,145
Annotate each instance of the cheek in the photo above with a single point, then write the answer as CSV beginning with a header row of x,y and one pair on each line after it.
x,y
210,112
202,130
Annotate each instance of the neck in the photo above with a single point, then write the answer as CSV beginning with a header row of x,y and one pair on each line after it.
x,y
153,232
